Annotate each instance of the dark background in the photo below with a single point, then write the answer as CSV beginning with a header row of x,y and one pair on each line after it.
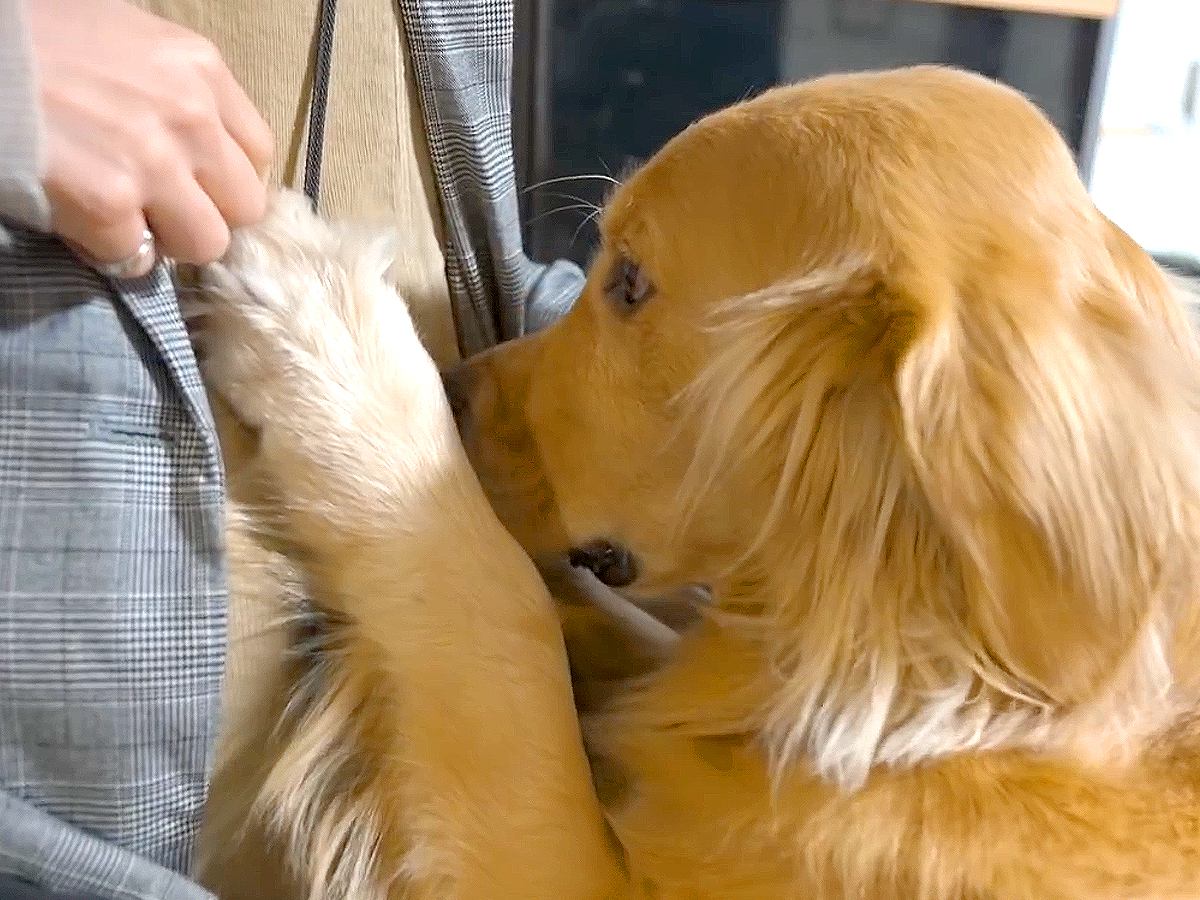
x,y
602,84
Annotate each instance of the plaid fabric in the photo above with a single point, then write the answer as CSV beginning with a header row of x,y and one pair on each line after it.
x,y
112,588
462,56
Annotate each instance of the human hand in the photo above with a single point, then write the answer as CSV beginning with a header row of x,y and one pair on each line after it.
x,y
146,128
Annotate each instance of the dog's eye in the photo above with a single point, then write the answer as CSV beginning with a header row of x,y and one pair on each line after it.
x,y
627,285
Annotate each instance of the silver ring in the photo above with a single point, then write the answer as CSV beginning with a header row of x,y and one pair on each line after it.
x,y
135,263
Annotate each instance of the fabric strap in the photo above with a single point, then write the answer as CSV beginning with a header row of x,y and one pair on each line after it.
x,y
319,99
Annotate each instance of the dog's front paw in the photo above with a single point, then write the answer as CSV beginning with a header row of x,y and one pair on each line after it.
x,y
298,330
279,314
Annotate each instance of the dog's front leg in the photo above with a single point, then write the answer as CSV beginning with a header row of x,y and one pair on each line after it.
x,y
440,754
451,682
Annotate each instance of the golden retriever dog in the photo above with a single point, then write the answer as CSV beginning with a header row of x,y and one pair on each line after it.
x,y
860,359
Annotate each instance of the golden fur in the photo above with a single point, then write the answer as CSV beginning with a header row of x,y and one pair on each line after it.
x,y
925,422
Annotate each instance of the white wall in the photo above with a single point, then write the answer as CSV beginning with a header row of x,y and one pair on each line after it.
x,y
1146,174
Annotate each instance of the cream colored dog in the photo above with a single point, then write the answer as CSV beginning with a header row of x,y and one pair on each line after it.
x,y
862,358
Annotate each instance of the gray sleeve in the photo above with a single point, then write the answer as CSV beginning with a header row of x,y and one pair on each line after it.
x,y
22,199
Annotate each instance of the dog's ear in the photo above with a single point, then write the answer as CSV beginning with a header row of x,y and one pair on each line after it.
x,y
796,411
974,495
1050,421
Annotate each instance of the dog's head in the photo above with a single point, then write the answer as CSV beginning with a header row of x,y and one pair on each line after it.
x,y
862,355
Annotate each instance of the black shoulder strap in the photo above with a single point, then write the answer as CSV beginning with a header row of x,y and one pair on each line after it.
x,y
319,100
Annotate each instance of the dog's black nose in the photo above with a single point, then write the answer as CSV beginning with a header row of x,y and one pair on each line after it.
x,y
613,564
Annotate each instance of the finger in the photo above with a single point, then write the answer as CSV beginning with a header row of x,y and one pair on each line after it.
x,y
185,221
101,220
243,121
113,247
228,176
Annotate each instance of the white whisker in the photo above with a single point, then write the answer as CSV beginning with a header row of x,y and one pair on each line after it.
x,y
559,209
564,178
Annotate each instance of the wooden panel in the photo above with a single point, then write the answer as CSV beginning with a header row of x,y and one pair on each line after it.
x,y
1091,9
